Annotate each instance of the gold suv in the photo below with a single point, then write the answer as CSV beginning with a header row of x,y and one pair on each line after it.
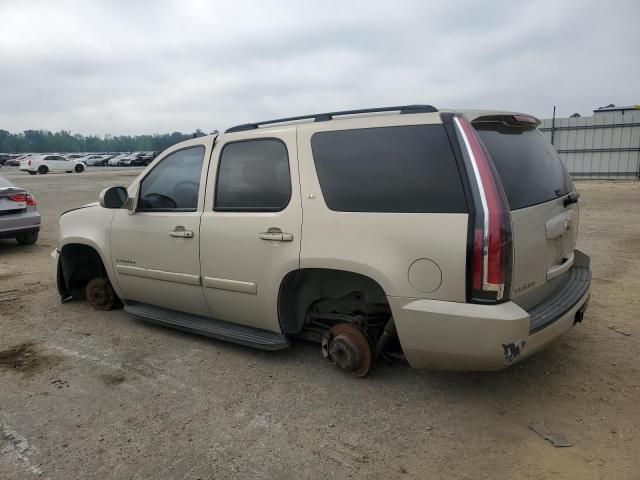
x,y
444,237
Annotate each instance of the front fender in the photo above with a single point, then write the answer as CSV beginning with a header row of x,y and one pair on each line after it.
x,y
90,226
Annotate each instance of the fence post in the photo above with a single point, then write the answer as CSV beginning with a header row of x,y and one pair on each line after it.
x,y
553,124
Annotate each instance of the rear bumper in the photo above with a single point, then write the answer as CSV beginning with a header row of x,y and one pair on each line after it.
x,y
463,336
15,224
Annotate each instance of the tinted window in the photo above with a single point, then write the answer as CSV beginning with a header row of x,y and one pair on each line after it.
x,y
253,176
527,164
174,183
391,169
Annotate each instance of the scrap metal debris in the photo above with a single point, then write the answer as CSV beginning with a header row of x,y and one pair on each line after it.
x,y
619,330
557,439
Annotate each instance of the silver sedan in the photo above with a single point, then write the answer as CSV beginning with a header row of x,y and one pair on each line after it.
x,y
19,217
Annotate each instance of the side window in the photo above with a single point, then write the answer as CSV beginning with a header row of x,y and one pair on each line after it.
x,y
408,169
253,176
174,183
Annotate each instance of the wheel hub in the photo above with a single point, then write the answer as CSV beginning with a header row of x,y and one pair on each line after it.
x,y
344,354
100,294
346,346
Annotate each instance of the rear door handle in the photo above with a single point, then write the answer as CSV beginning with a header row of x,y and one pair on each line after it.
x,y
181,233
276,236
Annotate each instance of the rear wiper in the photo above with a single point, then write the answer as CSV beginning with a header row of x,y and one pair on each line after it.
x,y
571,198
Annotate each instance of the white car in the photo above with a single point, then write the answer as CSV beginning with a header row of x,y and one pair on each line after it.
x,y
93,160
52,163
115,161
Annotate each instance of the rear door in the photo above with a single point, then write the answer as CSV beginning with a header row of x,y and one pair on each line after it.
x,y
58,163
251,225
543,215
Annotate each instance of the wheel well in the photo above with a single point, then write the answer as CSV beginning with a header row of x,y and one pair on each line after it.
x,y
301,289
78,264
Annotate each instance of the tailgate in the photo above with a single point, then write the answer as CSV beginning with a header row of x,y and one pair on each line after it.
x,y
544,237
544,209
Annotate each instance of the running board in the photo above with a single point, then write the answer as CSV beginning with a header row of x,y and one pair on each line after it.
x,y
209,327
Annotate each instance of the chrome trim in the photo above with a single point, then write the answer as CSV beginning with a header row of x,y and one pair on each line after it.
x,y
231,285
185,278
558,270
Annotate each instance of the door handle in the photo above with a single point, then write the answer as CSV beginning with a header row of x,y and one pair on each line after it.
x,y
181,233
276,236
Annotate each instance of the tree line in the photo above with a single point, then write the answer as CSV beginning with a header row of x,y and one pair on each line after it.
x,y
43,141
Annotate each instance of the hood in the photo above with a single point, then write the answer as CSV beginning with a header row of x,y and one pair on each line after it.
x,y
88,205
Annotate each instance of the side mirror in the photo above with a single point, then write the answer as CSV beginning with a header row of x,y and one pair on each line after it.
x,y
113,197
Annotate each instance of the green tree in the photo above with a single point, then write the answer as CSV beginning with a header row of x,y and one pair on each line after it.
x,y
43,141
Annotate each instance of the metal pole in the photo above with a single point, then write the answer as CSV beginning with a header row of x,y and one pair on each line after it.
x,y
553,124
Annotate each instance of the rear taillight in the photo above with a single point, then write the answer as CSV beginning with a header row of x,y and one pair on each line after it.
x,y
490,254
29,163
23,197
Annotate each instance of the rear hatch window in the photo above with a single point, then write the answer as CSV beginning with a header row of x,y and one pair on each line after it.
x,y
529,167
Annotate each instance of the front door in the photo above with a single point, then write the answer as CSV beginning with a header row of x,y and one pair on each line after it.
x,y
155,250
251,226
58,164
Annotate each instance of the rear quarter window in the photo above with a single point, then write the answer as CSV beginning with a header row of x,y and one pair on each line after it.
x,y
528,166
406,169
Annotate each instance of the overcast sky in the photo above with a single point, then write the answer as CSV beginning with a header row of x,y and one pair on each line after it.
x,y
97,67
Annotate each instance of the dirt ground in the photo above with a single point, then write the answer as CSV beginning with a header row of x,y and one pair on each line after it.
x,y
87,394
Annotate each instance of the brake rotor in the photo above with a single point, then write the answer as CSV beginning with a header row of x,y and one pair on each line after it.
x,y
100,294
346,346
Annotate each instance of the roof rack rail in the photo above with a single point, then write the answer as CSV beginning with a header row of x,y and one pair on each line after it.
x,y
323,117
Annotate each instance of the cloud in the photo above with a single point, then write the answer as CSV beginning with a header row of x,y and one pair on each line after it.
x,y
161,66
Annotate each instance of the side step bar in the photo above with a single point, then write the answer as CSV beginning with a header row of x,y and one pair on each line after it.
x,y
232,332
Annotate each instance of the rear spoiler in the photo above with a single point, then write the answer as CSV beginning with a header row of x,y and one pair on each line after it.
x,y
510,120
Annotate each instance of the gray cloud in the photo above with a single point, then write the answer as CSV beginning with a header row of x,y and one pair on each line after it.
x,y
155,66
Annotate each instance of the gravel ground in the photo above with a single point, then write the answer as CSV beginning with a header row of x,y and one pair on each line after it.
x,y
87,394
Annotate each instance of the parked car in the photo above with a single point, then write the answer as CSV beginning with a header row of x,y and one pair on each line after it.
x,y
447,237
52,163
97,160
116,161
4,157
132,161
19,217
15,160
